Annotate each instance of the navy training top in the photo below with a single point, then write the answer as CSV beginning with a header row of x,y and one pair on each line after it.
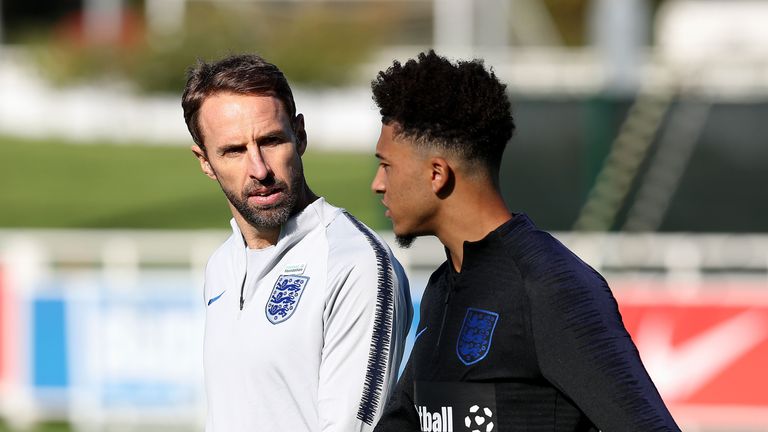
x,y
527,337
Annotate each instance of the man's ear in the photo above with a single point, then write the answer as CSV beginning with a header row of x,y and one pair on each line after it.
x,y
203,159
301,134
443,177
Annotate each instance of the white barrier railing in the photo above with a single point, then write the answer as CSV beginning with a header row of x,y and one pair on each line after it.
x,y
34,252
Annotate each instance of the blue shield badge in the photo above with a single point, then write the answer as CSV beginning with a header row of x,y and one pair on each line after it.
x,y
476,335
285,297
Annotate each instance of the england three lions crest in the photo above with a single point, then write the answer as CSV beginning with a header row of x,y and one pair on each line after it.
x,y
285,297
476,335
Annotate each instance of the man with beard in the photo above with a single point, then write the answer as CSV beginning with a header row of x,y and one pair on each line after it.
x,y
516,333
306,308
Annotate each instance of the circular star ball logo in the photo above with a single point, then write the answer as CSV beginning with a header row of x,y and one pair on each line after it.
x,y
479,420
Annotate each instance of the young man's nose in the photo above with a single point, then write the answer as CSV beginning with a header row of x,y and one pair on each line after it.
x,y
377,185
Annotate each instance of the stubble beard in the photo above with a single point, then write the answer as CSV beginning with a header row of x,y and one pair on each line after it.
x,y
271,216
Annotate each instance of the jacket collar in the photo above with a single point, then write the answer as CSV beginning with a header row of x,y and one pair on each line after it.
x,y
477,253
317,212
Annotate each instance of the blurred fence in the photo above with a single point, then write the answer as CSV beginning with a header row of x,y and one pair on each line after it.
x,y
105,327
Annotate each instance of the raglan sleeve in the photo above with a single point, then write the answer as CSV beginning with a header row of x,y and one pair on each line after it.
x,y
585,351
366,319
400,414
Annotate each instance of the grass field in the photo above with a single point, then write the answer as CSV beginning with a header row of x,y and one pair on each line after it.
x,y
56,185
43,427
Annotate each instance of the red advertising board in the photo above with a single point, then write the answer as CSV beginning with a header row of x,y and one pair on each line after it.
x,y
706,347
9,349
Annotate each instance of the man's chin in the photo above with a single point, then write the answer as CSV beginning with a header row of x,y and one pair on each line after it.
x,y
267,217
405,240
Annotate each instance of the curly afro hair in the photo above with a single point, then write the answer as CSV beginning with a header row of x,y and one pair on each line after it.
x,y
462,107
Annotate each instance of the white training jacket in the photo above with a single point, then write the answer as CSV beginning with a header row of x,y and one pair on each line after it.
x,y
315,343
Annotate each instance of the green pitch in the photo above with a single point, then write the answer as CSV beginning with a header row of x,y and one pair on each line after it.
x,y
44,427
47,184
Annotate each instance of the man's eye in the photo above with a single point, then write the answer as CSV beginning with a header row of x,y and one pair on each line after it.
x,y
270,141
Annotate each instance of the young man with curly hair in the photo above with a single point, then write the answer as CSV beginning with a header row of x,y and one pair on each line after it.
x,y
516,332
306,308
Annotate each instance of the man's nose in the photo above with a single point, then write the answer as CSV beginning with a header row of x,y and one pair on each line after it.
x,y
257,166
377,185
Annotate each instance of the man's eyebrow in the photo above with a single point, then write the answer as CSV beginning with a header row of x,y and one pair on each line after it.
x,y
277,133
231,146
379,156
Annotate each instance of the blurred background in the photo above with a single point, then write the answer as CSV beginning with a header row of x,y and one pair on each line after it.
x,y
641,144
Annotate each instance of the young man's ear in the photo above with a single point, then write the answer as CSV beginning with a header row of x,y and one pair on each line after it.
x,y
203,159
443,177
301,134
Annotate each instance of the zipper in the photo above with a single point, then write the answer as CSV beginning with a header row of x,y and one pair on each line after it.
x,y
242,288
436,351
445,314
245,276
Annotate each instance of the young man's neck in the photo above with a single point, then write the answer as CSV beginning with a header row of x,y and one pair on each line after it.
x,y
469,219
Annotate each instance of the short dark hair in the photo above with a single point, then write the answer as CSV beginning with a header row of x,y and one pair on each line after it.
x,y
458,107
246,74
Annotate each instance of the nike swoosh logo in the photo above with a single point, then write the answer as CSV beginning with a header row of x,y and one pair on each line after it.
x,y
679,371
216,298
419,333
